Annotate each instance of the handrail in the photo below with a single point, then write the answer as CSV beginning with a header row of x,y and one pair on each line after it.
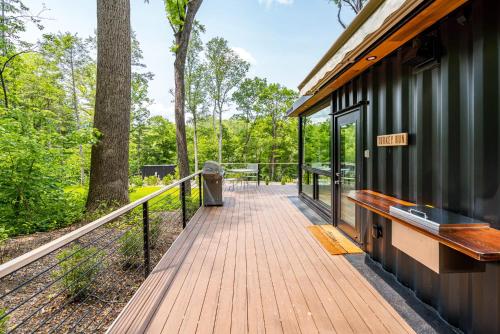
x,y
30,257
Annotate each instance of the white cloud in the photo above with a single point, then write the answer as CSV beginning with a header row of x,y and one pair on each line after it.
x,y
268,3
245,54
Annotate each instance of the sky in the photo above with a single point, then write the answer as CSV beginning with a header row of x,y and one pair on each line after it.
x,y
282,39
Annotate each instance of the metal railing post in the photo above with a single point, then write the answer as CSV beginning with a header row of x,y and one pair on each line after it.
x,y
199,190
183,203
145,226
258,174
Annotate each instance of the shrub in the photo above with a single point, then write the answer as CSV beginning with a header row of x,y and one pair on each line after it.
x,y
283,180
154,231
131,248
3,235
132,243
168,179
3,322
152,180
79,268
266,179
137,181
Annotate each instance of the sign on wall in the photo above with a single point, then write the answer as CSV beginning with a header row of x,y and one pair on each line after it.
x,y
396,139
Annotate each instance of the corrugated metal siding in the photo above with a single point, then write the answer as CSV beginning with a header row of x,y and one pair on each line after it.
x,y
452,113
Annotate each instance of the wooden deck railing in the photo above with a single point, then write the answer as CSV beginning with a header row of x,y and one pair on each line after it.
x,y
81,281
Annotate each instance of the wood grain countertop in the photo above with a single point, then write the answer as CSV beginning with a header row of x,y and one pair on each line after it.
x,y
482,244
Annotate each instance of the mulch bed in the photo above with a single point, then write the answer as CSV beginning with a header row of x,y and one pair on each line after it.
x,y
42,301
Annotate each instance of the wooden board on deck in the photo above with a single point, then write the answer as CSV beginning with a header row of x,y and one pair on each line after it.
x,y
252,266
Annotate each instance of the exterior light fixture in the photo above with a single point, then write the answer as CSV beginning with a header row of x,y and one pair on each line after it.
x,y
370,58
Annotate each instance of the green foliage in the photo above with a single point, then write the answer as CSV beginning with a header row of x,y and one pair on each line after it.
x,y
140,192
176,13
152,180
79,269
131,244
137,180
3,235
32,154
46,121
267,180
168,179
3,321
317,139
131,248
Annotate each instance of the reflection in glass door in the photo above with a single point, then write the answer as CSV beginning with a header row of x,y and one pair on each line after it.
x,y
347,171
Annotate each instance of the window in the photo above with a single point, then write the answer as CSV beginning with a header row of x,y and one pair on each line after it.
x,y
316,176
317,139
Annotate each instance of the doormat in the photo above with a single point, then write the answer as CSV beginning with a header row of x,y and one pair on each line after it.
x,y
333,240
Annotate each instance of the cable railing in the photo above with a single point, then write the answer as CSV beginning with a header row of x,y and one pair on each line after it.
x,y
81,281
275,172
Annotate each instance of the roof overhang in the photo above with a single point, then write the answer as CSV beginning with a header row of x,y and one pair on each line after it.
x,y
377,31
297,104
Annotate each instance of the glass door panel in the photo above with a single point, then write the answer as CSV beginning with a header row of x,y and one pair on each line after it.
x,y
347,159
325,190
307,183
347,172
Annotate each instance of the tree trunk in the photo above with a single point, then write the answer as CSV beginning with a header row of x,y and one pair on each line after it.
x,y
180,125
182,43
77,116
195,141
109,159
220,136
273,147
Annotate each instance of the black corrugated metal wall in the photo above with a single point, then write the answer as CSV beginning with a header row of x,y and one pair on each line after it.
x,y
452,113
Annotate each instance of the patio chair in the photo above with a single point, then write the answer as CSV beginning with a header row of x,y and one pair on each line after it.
x,y
253,176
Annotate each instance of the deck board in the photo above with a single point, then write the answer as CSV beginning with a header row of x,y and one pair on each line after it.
x,y
252,266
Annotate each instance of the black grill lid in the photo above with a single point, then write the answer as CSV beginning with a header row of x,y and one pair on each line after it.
x,y
212,167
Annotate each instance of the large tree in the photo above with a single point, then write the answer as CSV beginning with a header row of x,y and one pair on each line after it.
x,y
225,71
275,101
181,15
109,159
195,85
247,99
71,54
14,16
140,106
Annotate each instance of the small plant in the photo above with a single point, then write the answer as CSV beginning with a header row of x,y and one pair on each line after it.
x,y
136,181
152,180
283,180
3,235
78,268
168,179
131,248
154,232
266,179
3,321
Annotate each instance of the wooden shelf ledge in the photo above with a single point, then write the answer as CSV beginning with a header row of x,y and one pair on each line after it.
x,y
482,244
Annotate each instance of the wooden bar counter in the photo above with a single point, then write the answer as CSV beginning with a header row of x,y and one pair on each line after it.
x,y
482,244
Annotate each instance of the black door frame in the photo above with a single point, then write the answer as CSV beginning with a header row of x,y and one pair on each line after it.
x,y
356,114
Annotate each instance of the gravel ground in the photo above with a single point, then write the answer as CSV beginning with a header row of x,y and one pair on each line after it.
x,y
42,304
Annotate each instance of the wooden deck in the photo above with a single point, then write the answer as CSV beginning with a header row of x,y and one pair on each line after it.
x,y
252,266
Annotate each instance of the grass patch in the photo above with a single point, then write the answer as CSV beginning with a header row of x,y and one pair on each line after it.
x,y
135,194
141,192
